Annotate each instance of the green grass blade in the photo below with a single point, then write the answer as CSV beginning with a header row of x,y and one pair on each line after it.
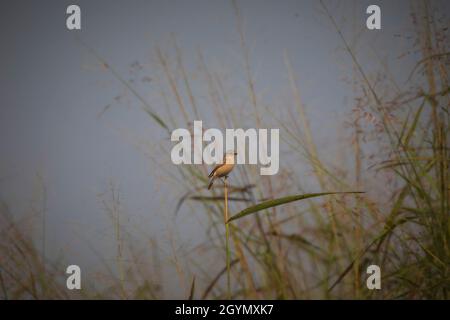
x,y
276,202
146,106
413,127
154,116
192,291
296,238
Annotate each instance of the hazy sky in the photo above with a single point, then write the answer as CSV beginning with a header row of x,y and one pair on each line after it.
x,y
52,91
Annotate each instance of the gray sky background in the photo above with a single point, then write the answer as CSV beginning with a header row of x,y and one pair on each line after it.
x,y
52,91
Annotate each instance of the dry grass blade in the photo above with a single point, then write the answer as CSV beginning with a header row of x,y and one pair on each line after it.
x,y
216,278
218,198
188,196
146,107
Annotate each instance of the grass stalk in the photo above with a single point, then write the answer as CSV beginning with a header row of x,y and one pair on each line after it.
x,y
227,237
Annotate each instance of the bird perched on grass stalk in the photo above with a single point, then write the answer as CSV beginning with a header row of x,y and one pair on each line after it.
x,y
222,170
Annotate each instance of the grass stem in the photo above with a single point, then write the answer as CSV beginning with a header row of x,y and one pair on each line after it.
x,y
227,238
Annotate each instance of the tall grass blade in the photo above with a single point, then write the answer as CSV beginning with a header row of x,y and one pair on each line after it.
x,y
277,202
192,291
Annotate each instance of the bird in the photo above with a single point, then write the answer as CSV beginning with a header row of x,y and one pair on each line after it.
x,y
223,169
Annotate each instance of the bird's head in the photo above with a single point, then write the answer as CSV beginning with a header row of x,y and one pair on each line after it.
x,y
228,157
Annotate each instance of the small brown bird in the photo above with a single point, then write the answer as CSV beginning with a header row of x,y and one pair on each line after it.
x,y
222,170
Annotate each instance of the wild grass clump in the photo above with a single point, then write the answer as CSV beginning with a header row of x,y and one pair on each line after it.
x,y
322,250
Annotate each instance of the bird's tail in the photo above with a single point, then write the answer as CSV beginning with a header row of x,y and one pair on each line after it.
x,y
211,182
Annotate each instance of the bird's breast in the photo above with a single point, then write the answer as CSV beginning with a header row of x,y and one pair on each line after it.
x,y
224,169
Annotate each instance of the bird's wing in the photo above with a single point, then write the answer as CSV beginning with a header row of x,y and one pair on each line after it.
x,y
215,169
